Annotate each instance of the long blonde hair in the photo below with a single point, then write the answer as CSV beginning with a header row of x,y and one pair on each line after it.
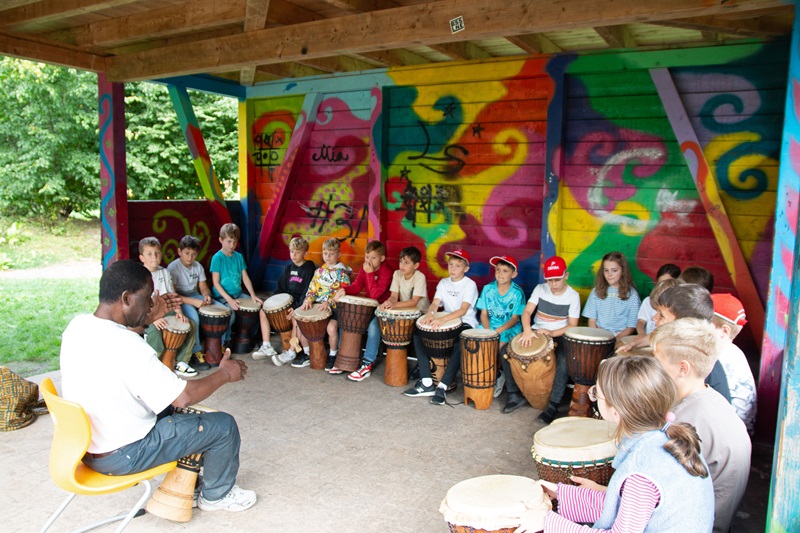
x,y
642,393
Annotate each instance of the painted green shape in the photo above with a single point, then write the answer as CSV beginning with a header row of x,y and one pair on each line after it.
x,y
609,239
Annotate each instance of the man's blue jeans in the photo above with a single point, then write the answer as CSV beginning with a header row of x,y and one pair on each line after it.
x,y
216,434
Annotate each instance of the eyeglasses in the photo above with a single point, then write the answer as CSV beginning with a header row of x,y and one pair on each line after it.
x,y
593,394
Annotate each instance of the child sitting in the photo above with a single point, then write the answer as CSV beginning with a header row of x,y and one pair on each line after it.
x,y
409,289
458,294
501,303
613,303
698,276
687,348
189,278
729,318
328,279
375,278
660,482
150,256
647,311
558,308
228,274
294,281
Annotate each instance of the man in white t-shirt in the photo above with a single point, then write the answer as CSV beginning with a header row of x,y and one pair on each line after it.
x,y
458,295
557,307
128,393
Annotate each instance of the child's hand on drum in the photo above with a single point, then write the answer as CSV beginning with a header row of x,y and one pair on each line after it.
x,y
290,313
323,306
550,489
587,483
181,316
385,305
207,299
527,337
160,324
339,294
258,300
234,304
306,305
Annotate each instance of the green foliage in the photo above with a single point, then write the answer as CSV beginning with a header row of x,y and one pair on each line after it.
x,y
31,246
49,161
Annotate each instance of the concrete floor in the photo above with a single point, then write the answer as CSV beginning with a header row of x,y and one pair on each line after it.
x,y
324,454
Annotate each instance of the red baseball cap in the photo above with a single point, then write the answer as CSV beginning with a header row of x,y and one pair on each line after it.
x,y
461,254
554,268
506,259
729,307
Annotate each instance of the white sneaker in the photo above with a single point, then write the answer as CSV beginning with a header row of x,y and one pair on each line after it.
x,y
265,351
236,500
498,385
184,370
283,358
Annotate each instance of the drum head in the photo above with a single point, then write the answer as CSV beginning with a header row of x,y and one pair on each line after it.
x,y
493,502
589,334
248,304
214,310
537,345
175,325
358,300
574,439
480,334
398,314
312,315
278,301
450,324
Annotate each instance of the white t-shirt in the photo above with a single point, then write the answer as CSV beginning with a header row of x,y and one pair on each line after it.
x,y
554,311
186,280
406,289
648,314
162,281
117,379
452,295
740,382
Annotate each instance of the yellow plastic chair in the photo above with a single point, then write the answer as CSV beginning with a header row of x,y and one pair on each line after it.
x,y
71,437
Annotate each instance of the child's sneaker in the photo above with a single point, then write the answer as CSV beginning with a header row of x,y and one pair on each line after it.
x,y
335,371
265,351
184,370
236,500
439,397
362,373
420,390
330,363
499,384
198,361
301,361
283,358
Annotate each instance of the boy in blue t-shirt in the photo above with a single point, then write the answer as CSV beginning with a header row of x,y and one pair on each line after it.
x,y
228,274
500,304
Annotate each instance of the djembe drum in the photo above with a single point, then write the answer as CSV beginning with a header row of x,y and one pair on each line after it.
x,y
493,504
581,447
174,497
584,348
533,368
313,323
276,308
639,350
355,314
397,332
439,343
247,321
213,323
479,349
173,336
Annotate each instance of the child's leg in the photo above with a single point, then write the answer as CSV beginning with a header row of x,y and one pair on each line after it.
x,y
333,335
423,361
226,337
186,350
562,376
373,342
265,331
454,364
153,337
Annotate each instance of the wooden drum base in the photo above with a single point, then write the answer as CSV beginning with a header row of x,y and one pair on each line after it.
x,y
482,398
286,336
438,366
213,349
173,499
317,354
580,406
168,358
396,372
349,356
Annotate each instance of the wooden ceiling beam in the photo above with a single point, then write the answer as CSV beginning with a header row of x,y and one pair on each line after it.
x,y
255,19
535,44
616,36
755,27
396,58
361,6
285,13
27,48
196,16
460,51
338,64
46,10
290,70
406,26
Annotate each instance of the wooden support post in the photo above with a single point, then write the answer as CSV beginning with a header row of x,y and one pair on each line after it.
x,y
375,167
779,368
200,158
113,176
709,194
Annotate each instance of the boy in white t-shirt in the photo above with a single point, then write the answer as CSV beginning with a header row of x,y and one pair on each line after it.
x,y
729,318
557,308
458,295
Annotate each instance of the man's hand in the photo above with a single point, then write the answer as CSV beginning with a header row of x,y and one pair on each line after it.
x,y
235,369
173,301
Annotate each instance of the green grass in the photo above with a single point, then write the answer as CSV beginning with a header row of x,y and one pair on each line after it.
x,y
24,245
36,312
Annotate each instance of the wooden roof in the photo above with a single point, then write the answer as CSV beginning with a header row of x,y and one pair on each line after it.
x,y
249,41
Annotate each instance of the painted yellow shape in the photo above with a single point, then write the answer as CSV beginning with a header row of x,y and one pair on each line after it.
x,y
454,233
